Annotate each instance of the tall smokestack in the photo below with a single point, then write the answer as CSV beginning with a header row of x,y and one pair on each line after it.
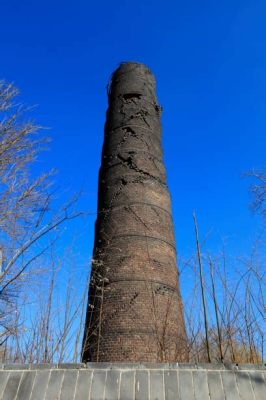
x,y
135,310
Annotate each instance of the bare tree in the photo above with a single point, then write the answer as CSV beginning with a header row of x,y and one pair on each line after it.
x,y
202,287
258,190
234,293
26,217
50,322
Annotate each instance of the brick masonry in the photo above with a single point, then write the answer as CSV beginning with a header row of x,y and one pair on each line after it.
x,y
135,310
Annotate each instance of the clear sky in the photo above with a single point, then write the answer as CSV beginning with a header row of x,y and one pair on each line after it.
x,y
209,58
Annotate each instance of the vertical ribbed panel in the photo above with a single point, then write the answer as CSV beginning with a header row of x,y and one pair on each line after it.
x,y
135,309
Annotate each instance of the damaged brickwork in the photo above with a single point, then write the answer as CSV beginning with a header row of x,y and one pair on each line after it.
x,y
134,310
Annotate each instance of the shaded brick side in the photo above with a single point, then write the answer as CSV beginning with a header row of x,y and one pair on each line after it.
x,y
135,310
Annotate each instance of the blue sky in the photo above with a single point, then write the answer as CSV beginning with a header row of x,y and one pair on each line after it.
x,y
209,59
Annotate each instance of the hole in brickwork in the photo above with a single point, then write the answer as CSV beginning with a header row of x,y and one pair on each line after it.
x,y
133,298
163,289
131,96
158,109
129,131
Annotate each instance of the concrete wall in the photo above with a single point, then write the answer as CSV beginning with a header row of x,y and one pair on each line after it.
x,y
100,381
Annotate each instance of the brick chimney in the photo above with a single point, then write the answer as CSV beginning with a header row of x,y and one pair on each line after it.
x,y
134,309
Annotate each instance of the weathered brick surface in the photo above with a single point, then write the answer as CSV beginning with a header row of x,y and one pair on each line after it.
x,y
135,310
140,190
